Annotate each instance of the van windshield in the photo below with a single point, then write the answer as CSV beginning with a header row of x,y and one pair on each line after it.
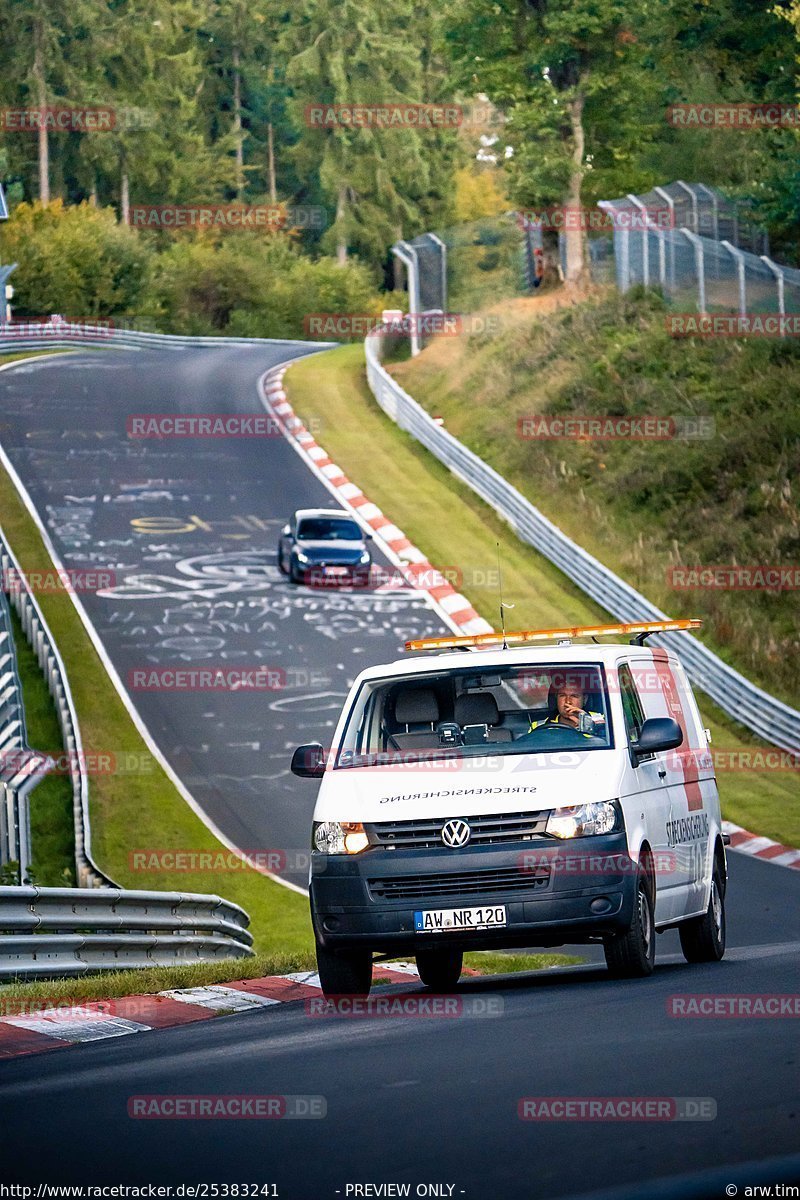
x,y
463,713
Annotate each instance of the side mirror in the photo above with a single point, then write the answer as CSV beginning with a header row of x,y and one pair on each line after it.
x,y
657,734
287,529
368,537
309,761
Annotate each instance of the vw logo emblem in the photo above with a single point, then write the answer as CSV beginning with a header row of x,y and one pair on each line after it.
x,y
456,833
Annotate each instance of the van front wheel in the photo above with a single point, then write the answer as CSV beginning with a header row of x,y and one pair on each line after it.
x,y
344,972
440,970
703,938
632,954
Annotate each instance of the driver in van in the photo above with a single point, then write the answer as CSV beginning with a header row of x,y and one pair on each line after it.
x,y
567,703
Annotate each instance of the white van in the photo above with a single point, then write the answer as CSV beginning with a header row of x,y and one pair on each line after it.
x,y
515,797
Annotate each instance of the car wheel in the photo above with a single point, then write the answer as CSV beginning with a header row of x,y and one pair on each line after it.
x,y
281,566
294,574
344,972
440,970
632,954
703,938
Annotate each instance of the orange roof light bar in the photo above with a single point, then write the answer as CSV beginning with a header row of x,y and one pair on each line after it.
x,y
523,636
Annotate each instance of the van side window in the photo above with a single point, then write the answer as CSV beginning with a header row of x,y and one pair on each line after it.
x,y
631,704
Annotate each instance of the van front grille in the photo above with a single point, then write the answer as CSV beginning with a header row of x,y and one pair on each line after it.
x,y
458,883
487,830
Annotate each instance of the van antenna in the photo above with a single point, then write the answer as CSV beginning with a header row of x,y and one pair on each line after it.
x,y
503,606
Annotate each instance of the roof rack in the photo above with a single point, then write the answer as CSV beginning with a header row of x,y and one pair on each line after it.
x,y
638,631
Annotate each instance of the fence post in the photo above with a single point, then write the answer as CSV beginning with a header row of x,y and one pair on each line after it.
x,y
443,250
699,266
663,241
714,210
738,257
779,276
408,258
645,244
693,198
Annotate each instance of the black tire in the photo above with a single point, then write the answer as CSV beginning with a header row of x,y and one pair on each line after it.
x,y
293,575
632,954
440,970
281,567
703,938
344,972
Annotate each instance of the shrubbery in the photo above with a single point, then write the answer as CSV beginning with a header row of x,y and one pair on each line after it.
x,y
80,262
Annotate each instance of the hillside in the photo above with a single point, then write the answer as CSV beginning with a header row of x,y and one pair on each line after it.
x,y
644,507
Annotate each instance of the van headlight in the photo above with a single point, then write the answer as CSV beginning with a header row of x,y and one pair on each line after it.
x,y
301,558
334,837
365,557
583,820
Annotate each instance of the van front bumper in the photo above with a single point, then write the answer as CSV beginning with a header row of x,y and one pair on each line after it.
x,y
576,891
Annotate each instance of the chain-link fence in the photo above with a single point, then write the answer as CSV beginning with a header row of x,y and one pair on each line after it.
x,y
461,269
702,250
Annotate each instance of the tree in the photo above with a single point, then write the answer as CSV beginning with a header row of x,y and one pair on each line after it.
x,y
373,179
558,70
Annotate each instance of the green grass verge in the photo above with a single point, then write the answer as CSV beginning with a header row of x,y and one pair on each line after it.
x,y
52,827
20,997
144,809
453,527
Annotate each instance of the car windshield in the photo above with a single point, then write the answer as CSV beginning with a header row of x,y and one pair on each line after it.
x,y
328,529
465,713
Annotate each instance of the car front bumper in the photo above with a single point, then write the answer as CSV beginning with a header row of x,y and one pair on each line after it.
x,y
578,891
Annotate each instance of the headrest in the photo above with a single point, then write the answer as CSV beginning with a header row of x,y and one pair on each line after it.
x,y
477,708
415,706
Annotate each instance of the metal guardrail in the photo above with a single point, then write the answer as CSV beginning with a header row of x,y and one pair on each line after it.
x,y
61,335
20,767
763,714
49,932
37,632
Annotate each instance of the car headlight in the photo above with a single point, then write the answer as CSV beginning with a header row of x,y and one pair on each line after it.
x,y
334,837
584,820
365,558
302,558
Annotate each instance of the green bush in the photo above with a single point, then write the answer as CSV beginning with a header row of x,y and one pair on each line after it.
x,y
77,261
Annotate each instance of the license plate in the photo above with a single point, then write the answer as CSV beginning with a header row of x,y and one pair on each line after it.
x,y
335,570
451,920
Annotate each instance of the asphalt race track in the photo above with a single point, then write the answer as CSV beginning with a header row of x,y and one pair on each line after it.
x,y
189,528
434,1100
